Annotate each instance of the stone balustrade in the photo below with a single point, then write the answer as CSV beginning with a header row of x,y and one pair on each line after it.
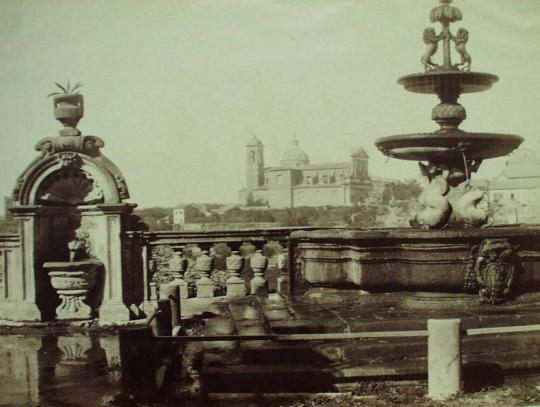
x,y
216,264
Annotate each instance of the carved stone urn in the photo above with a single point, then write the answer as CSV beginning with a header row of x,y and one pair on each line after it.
x,y
69,109
73,281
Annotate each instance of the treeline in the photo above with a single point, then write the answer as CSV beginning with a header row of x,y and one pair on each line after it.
x,y
365,215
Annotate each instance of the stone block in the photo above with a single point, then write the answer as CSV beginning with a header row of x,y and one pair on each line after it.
x,y
205,288
236,287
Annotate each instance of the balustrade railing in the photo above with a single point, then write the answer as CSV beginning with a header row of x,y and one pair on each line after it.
x,y
222,263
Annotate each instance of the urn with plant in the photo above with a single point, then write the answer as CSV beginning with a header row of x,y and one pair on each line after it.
x,y
68,107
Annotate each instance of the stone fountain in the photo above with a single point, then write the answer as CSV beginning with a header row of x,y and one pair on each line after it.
x,y
450,154
74,279
70,201
450,257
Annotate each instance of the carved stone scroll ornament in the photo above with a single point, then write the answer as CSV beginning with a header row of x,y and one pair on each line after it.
x,y
89,145
492,270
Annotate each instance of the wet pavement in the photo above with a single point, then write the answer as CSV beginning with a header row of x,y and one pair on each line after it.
x,y
69,370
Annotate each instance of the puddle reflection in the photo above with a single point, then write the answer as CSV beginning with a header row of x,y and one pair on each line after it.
x,y
74,370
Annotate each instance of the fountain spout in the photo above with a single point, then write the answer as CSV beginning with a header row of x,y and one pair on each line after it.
x,y
78,246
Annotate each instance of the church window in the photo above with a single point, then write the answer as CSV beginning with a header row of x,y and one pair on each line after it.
x,y
279,179
252,156
325,179
309,181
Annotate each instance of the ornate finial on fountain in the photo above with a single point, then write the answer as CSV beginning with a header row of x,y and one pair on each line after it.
x,y
68,108
445,14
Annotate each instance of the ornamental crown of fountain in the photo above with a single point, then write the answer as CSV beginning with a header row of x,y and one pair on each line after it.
x,y
449,155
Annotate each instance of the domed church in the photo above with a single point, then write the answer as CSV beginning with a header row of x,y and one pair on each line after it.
x,y
296,182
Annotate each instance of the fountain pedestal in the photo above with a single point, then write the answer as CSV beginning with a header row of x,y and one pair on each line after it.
x,y
73,282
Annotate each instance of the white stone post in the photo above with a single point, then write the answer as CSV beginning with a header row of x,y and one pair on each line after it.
x,y
203,265
235,284
444,358
258,264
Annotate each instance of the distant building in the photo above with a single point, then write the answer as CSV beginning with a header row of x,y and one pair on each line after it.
x,y
179,216
297,182
514,196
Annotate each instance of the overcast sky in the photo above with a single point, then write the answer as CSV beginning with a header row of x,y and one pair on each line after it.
x,y
177,87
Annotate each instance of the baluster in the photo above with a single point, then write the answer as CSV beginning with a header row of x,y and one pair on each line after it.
x,y
203,265
282,284
258,264
178,266
176,263
235,284
153,293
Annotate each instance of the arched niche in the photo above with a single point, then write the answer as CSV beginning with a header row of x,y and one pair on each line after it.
x,y
69,179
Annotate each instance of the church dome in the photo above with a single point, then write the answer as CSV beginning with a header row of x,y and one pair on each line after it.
x,y
294,156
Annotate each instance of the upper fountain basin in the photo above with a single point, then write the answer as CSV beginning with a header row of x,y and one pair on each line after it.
x,y
447,144
439,81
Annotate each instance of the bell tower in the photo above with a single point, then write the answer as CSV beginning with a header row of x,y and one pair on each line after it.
x,y
359,168
254,163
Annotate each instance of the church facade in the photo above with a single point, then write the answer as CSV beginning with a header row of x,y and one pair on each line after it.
x,y
297,182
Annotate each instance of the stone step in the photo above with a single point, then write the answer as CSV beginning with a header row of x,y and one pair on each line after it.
x,y
268,378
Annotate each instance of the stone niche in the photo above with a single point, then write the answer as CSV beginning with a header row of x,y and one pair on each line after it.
x,y
69,202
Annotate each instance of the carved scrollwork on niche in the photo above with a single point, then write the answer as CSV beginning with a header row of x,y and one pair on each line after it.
x,y
70,187
89,145
492,270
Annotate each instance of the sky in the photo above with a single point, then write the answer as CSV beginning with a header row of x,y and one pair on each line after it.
x,y
177,87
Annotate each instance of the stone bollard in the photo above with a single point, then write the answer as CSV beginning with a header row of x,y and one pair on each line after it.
x,y
444,358
236,287
170,292
258,264
203,265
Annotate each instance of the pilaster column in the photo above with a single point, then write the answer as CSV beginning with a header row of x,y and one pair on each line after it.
x,y
112,306
21,280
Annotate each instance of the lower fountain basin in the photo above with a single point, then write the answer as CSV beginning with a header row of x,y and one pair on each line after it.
x,y
439,145
436,261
